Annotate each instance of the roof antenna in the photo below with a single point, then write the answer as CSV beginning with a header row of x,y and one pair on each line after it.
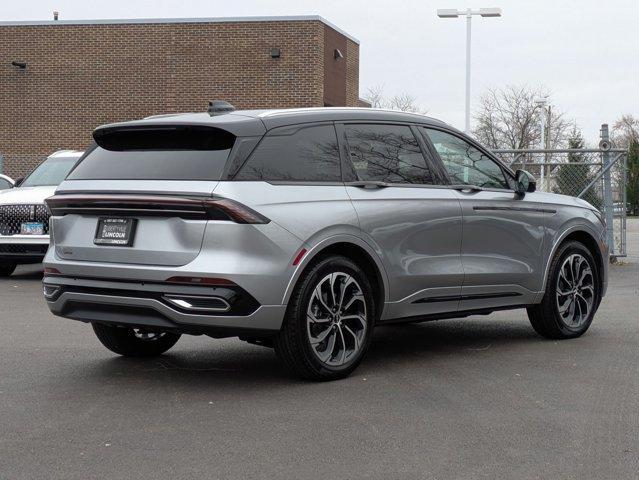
x,y
220,107
55,15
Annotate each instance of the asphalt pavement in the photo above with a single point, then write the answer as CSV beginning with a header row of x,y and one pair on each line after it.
x,y
483,397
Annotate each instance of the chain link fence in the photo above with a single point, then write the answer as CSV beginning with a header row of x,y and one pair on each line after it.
x,y
595,175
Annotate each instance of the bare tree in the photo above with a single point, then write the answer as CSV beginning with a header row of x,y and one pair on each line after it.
x,y
510,117
375,96
403,102
625,134
625,131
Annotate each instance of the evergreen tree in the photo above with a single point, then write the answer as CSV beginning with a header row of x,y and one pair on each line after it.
x,y
632,180
573,177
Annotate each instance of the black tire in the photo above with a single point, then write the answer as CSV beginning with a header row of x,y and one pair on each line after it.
x,y
293,345
6,269
545,317
123,341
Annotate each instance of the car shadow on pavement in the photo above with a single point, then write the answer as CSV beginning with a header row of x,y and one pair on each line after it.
x,y
406,342
27,272
403,346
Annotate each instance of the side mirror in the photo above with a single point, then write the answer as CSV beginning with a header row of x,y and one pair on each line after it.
x,y
18,181
526,183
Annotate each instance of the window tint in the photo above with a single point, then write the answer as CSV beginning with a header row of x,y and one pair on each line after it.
x,y
465,164
308,154
4,184
103,164
50,173
386,153
157,153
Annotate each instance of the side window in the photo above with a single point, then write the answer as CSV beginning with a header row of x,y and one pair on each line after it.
x,y
308,154
4,184
387,153
465,164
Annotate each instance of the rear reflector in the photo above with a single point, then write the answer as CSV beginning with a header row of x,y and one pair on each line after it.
x,y
299,256
222,282
51,271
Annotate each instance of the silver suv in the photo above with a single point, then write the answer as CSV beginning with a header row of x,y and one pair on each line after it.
x,y
304,229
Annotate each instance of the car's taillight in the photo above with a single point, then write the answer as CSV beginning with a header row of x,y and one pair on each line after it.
x,y
236,211
205,208
220,282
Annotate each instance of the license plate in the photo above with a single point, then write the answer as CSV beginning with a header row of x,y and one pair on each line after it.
x,y
115,231
32,229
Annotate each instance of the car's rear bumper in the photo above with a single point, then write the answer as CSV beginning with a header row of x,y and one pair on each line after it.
x,y
149,305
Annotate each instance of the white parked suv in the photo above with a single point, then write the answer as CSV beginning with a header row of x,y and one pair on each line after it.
x,y
6,182
24,221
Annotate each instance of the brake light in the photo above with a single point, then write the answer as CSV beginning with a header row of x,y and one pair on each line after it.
x,y
221,282
204,208
236,211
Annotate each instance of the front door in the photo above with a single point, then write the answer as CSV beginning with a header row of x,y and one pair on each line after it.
x,y
414,223
503,232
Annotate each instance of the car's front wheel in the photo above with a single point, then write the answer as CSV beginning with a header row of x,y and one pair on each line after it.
x,y
7,269
134,342
572,294
329,321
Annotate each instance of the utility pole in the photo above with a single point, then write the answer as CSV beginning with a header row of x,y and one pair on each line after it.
x,y
607,190
543,140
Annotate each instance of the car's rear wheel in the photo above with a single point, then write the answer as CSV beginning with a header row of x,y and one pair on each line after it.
x,y
7,269
329,321
572,294
134,342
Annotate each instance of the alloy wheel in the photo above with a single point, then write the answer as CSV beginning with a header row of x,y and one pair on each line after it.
x,y
575,291
336,319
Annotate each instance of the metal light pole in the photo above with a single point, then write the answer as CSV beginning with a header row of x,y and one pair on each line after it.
x,y
468,13
543,141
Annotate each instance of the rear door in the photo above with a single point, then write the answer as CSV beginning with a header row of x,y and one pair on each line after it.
x,y
503,231
403,210
294,178
136,187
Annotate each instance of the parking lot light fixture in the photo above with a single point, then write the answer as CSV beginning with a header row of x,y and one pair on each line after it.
x,y
468,13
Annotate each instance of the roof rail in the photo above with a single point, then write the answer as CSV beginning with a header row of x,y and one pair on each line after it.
x,y
62,153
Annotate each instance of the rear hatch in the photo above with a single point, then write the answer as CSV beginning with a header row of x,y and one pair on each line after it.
x,y
138,196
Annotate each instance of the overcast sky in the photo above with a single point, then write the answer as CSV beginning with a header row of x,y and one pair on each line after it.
x,y
585,51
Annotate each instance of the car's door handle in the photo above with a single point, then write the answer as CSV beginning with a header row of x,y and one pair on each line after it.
x,y
367,184
467,188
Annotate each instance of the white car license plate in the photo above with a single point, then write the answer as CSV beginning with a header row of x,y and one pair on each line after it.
x,y
32,229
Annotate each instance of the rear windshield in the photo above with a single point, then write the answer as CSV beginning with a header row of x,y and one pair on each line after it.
x,y
50,173
173,154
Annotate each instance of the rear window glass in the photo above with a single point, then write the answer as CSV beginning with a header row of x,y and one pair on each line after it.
x,y
145,154
309,154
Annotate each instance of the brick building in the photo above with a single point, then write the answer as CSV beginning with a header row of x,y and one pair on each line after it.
x,y
80,74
